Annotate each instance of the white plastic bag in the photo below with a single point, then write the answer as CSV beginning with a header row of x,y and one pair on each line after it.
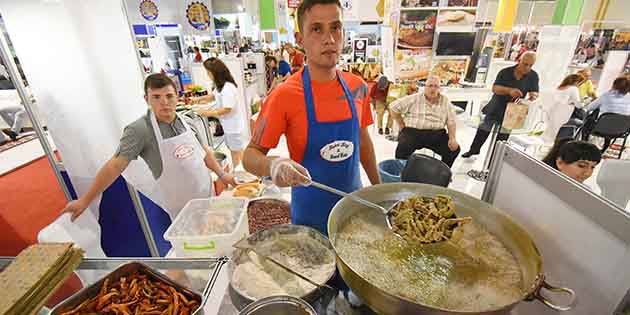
x,y
84,233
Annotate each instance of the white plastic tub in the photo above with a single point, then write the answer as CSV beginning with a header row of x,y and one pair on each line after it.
x,y
209,227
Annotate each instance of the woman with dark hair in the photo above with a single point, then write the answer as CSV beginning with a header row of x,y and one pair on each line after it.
x,y
565,99
229,108
576,159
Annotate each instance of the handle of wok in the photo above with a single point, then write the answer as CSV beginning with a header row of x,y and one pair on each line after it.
x,y
344,194
538,296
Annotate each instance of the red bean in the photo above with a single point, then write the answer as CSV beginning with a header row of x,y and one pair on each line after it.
x,y
265,213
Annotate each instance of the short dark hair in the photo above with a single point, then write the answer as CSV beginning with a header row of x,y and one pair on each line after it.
x,y
571,151
157,81
621,85
307,5
220,72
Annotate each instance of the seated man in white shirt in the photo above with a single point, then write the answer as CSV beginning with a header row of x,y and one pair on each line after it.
x,y
424,119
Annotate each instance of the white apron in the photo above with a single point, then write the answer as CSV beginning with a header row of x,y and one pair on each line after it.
x,y
184,172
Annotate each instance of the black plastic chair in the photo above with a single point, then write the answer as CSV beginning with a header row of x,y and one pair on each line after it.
x,y
424,169
611,127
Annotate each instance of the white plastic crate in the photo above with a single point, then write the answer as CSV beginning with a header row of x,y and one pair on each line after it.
x,y
209,227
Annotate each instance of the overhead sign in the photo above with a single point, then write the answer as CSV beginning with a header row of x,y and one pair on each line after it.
x,y
148,10
359,50
198,15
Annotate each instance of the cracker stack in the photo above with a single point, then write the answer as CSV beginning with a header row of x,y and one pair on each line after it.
x,y
35,274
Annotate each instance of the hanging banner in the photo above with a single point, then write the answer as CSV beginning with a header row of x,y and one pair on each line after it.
x,y
198,16
148,10
293,4
505,16
568,12
359,50
267,15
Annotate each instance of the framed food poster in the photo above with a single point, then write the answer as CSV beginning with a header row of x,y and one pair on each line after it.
x,y
463,3
450,71
456,18
416,30
198,15
148,10
413,64
419,3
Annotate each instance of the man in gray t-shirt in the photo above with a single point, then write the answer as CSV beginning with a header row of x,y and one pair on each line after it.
x,y
140,139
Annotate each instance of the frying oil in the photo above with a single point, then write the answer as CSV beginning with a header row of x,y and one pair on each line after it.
x,y
473,274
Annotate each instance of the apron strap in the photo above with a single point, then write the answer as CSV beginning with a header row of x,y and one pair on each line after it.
x,y
156,126
310,101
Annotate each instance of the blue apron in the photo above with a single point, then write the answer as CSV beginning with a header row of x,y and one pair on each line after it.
x,y
311,206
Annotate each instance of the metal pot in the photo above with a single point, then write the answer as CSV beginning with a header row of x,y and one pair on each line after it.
x,y
513,237
240,299
279,305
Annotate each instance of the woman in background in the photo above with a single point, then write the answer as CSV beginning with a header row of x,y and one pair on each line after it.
x,y
229,110
565,99
576,159
617,101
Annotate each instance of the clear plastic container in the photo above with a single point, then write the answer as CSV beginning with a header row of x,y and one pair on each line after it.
x,y
209,227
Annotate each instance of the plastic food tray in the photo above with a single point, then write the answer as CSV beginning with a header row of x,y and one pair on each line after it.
x,y
188,237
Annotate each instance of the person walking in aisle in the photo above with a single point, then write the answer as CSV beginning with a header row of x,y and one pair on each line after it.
x,y
511,83
424,119
381,105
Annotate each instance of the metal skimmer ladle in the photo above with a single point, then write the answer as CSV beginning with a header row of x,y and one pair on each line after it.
x,y
362,201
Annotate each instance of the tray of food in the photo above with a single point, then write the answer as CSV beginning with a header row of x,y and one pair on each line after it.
x,y
132,288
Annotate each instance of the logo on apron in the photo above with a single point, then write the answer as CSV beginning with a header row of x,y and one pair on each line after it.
x,y
184,151
337,151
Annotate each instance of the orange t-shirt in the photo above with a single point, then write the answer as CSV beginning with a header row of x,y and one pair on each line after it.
x,y
284,111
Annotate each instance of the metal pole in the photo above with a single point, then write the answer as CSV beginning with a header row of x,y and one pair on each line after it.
x,y
493,142
16,78
144,222
133,193
123,6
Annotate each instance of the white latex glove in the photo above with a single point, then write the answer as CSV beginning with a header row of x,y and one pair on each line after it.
x,y
288,173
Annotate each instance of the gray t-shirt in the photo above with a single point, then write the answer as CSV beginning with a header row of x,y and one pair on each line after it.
x,y
138,139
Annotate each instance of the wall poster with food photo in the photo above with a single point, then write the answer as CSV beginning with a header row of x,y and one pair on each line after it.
x,y
450,71
413,64
456,18
419,3
463,3
416,29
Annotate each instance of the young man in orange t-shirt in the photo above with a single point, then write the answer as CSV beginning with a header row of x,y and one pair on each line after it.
x,y
324,115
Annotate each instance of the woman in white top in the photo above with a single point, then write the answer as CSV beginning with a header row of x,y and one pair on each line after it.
x,y
229,109
565,99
